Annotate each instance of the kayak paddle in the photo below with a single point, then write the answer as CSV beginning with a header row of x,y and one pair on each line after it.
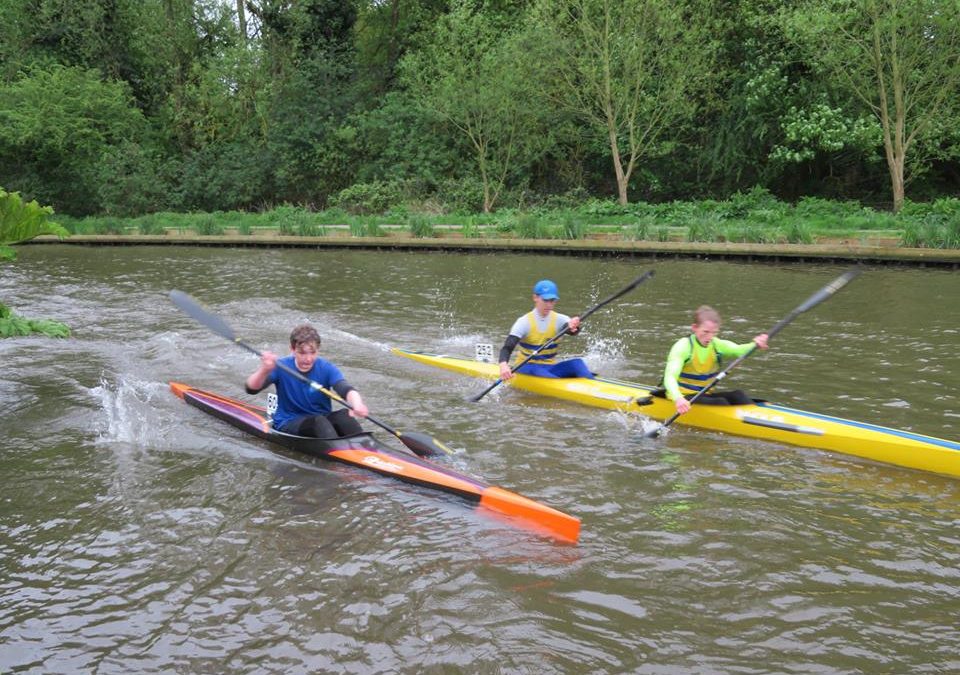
x,y
811,302
421,444
633,284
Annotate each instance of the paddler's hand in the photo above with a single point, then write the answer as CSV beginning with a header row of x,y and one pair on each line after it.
x,y
573,325
761,340
505,372
258,379
359,408
683,405
268,361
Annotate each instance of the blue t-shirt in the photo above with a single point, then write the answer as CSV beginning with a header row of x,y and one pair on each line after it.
x,y
296,398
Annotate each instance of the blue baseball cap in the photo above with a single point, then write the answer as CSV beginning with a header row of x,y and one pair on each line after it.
x,y
546,289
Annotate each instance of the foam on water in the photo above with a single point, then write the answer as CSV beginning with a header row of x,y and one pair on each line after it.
x,y
129,415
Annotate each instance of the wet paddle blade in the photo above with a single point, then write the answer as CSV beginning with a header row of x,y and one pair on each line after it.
x,y
424,445
193,309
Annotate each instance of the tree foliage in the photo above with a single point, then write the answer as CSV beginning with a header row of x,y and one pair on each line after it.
x,y
472,76
899,58
133,106
55,126
631,69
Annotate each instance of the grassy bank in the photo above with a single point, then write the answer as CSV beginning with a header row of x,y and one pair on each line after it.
x,y
755,217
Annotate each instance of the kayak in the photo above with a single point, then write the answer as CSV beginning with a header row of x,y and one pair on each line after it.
x,y
366,451
761,419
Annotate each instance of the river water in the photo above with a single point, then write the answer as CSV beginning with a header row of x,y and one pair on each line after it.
x,y
139,535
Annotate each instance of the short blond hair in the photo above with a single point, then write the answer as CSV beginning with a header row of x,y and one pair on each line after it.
x,y
705,313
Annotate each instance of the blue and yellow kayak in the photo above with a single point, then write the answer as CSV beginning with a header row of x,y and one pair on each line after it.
x,y
763,420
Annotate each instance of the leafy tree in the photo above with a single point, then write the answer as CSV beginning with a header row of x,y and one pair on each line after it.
x,y
55,126
385,32
471,75
630,69
399,140
21,221
899,58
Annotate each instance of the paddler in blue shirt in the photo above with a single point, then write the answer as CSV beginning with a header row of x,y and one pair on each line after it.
x,y
301,410
536,328
697,359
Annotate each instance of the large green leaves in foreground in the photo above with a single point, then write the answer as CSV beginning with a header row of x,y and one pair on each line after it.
x,y
21,221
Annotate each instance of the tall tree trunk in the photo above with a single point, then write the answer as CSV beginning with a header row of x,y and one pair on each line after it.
x,y
896,176
242,21
622,178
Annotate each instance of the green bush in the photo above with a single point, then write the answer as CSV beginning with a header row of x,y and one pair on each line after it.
x,y
798,232
573,228
208,226
757,200
933,231
297,222
369,198
471,229
748,232
420,227
150,225
461,195
809,207
531,226
108,226
366,229
704,229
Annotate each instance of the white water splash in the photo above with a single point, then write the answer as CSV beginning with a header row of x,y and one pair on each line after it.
x,y
128,412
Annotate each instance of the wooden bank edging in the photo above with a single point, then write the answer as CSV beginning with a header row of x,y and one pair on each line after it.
x,y
923,257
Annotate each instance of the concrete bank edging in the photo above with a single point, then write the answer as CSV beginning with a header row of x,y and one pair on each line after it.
x,y
922,257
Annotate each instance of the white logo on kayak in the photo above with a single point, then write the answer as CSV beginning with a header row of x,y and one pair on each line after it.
x,y
382,464
589,390
777,419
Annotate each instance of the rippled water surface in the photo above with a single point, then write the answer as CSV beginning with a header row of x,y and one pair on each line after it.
x,y
138,535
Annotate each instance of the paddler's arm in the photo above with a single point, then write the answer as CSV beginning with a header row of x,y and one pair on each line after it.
x,y
728,348
505,351
679,354
351,396
259,379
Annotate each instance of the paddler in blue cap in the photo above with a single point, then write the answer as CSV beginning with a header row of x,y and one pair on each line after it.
x,y
535,329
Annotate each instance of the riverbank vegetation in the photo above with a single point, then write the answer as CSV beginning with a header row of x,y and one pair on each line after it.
x,y
489,110
20,221
755,217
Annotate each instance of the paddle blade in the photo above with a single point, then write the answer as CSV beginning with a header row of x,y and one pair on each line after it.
x,y
424,445
477,397
193,309
829,289
652,429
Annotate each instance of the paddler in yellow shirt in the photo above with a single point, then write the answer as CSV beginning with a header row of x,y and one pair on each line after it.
x,y
695,360
535,329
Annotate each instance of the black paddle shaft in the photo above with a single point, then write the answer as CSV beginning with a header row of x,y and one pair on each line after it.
x,y
811,302
566,329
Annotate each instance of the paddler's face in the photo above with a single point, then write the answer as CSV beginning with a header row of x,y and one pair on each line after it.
x,y
705,331
304,355
542,306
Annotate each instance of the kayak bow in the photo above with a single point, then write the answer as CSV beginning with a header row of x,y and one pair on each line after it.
x,y
366,451
762,420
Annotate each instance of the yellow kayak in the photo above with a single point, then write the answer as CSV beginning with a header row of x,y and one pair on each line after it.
x,y
762,419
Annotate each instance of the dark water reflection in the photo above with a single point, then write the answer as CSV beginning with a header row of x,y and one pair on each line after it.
x,y
138,536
